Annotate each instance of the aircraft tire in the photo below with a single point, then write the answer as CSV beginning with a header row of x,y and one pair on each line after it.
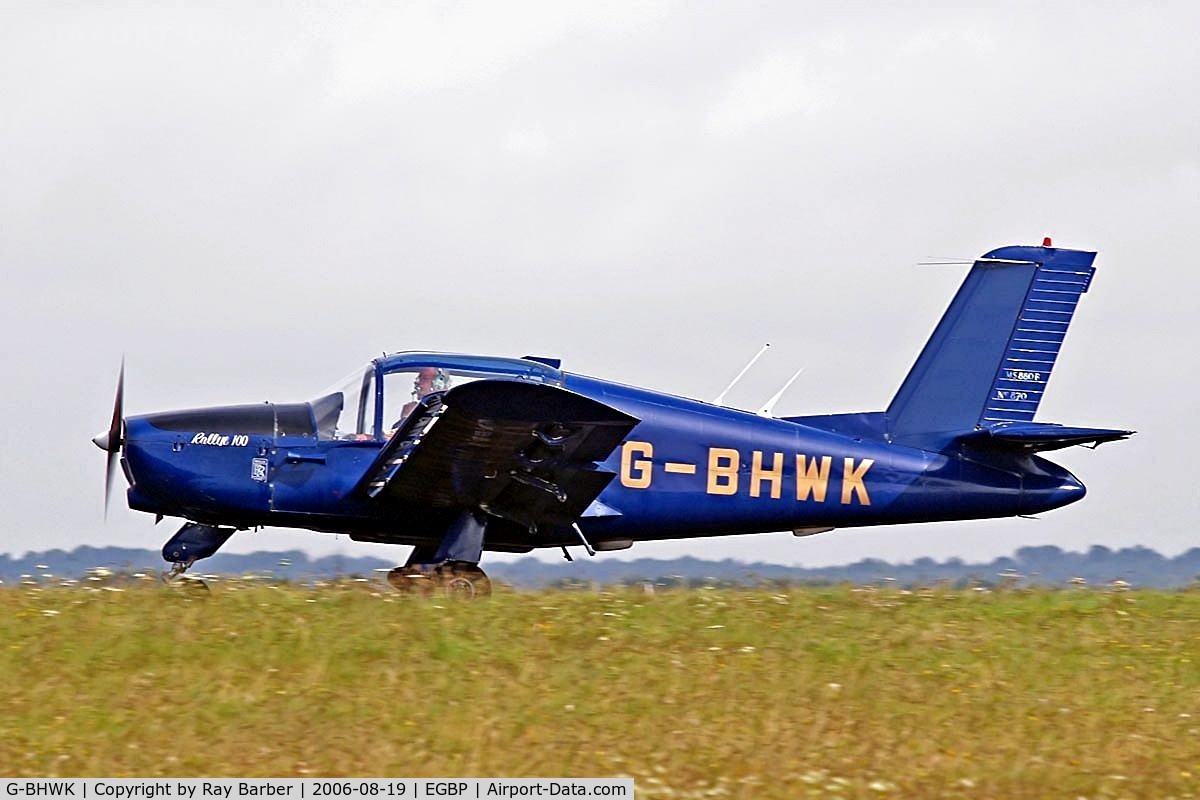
x,y
455,581
413,581
188,585
464,582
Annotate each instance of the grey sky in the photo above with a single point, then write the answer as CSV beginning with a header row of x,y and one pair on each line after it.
x,y
251,204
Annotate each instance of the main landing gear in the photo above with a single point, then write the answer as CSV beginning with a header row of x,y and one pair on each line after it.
x,y
458,580
451,567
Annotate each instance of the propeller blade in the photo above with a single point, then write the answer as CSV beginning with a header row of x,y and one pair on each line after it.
x,y
114,429
114,439
108,478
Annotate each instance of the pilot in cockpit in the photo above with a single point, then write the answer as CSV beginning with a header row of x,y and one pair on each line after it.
x,y
428,381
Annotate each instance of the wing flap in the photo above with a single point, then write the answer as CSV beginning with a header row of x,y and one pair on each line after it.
x,y
523,451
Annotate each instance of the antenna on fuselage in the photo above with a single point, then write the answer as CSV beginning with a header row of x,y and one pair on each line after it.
x,y
769,406
720,399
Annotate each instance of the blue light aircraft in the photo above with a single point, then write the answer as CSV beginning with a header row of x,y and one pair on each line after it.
x,y
458,454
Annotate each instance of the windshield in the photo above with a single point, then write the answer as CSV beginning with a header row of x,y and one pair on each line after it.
x,y
346,410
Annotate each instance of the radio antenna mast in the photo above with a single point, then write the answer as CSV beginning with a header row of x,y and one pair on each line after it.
x,y
769,406
720,400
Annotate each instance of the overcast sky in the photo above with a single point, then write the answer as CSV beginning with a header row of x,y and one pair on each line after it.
x,y
249,204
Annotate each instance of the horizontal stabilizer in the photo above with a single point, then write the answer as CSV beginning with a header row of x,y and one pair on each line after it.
x,y
1036,437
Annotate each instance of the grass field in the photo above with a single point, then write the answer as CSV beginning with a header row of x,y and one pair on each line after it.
x,y
839,692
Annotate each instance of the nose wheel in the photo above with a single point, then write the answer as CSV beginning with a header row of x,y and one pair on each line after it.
x,y
456,580
176,577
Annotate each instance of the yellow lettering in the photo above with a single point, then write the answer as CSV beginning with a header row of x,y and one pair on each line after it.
x,y
636,473
774,475
722,470
852,480
811,479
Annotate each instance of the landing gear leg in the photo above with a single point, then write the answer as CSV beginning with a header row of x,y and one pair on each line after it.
x,y
177,569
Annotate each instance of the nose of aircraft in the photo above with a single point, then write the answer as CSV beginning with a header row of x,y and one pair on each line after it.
x,y
102,440
1053,488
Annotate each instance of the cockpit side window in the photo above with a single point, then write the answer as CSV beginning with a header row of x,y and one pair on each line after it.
x,y
404,388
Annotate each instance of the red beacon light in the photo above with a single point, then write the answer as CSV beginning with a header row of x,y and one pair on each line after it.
x,y
1046,242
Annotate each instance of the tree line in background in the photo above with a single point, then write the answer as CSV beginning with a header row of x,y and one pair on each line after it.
x,y
1045,565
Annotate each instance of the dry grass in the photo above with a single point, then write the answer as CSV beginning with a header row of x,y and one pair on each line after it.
x,y
835,692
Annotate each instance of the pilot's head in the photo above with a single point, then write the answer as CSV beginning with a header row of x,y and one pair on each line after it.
x,y
429,379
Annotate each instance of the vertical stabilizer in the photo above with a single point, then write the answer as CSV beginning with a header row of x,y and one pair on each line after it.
x,y
991,355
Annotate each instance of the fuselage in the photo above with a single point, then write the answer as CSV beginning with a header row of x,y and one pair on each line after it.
x,y
688,468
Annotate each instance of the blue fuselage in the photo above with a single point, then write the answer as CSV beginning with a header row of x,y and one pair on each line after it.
x,y
687,469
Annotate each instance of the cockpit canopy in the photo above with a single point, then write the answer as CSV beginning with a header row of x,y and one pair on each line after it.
x,y
369,403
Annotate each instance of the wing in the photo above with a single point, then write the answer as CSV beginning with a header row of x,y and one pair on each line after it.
x,y
522,451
